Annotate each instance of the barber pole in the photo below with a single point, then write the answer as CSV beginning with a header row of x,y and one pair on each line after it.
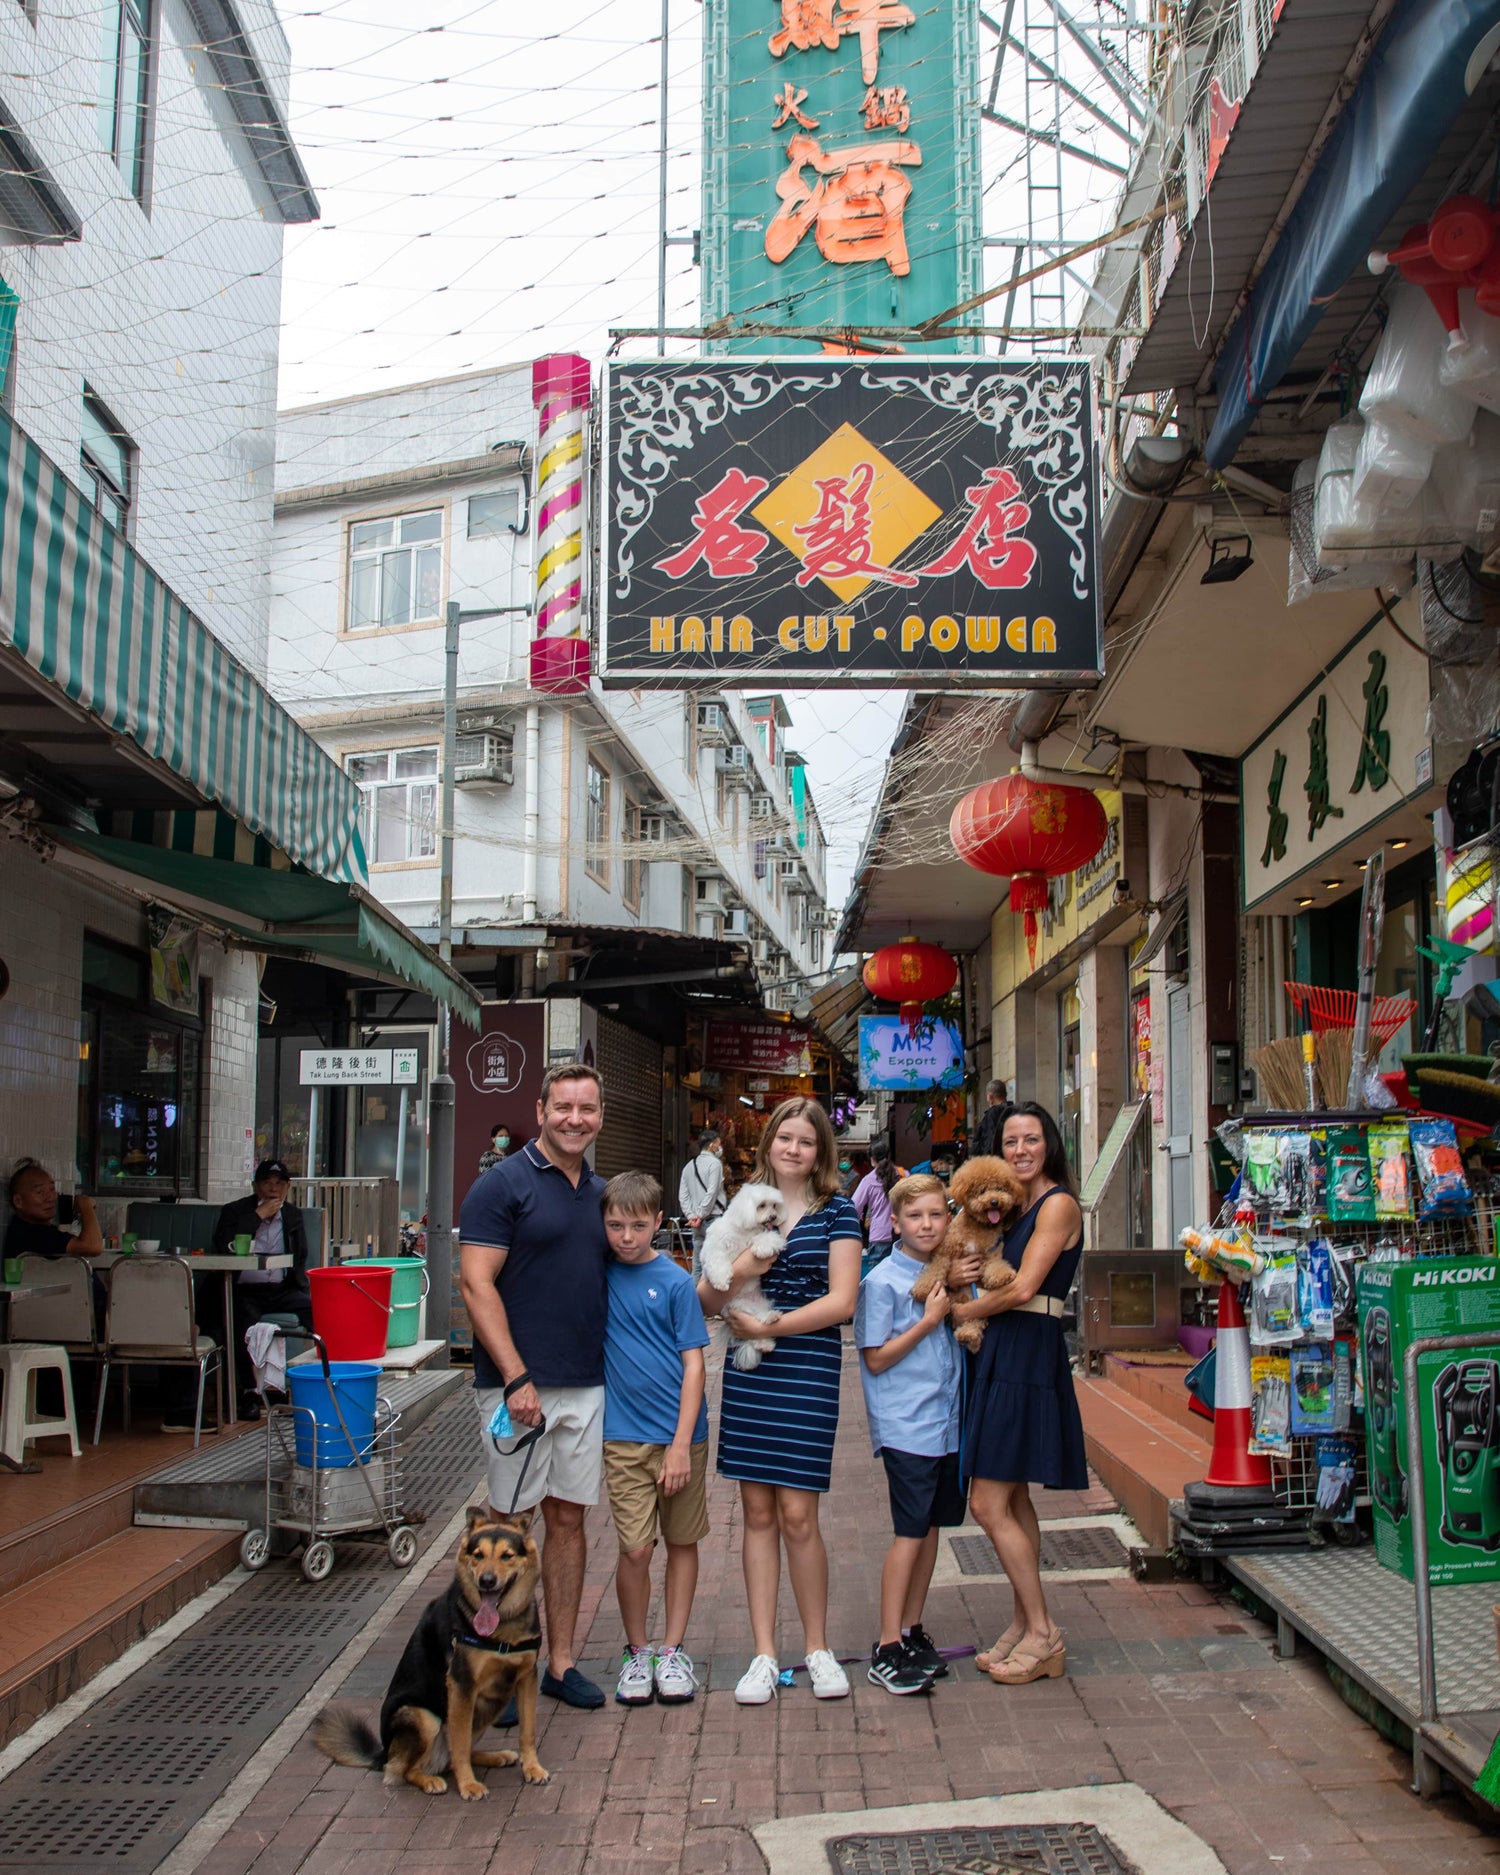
x,y
560,389
1233,1462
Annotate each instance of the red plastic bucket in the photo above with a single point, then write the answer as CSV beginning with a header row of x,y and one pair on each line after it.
x,y
351,1306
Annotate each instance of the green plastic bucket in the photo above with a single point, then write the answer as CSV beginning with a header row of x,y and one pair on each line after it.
x,y
408,1286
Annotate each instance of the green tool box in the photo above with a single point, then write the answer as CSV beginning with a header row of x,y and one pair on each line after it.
x,y
1459,1397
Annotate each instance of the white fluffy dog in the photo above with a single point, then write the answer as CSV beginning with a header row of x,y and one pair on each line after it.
x,y
752,1222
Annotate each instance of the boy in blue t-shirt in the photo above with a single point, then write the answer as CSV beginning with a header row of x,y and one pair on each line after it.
x,y
910,1374
655,1436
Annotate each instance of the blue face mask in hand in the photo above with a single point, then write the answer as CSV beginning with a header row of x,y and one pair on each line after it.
x,y
500,1426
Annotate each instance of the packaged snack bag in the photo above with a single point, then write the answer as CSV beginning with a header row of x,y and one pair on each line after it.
x,y
1390,1167
1351,1190
1440,1170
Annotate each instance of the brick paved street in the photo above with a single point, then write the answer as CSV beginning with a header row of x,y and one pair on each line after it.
x,y
1169,1686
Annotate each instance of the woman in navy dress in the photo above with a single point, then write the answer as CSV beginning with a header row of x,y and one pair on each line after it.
x,y
777,1422
1023,1426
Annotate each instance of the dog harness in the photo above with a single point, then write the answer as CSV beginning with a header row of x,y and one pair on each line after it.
x,y
524,1645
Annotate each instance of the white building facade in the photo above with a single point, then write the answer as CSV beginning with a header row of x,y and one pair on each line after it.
x,y
649,810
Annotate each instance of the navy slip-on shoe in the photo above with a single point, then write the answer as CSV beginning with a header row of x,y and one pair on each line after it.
x,y
573,1689
509,1716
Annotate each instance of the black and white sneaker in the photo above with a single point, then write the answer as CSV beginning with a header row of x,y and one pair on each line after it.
x,y
891,1668
922,1652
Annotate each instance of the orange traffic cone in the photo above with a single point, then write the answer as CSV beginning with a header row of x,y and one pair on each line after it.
x,y
1233,1463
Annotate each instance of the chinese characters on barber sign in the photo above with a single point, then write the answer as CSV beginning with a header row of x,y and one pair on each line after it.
x,y
850,521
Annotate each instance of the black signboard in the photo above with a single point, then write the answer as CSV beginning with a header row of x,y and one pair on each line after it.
x,y
849,520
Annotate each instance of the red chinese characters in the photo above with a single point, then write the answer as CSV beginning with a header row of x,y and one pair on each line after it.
x,y
789,102
989,544
837,538
809,23
886,108
857,205
727,549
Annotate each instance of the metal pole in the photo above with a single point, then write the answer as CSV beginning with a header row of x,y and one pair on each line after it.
x,y
661,190
400,1147
312,1132
440,1114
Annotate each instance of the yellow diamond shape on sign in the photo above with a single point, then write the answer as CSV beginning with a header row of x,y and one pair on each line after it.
x,y
870,501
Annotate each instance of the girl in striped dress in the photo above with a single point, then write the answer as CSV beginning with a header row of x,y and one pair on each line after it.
x,y
777,1422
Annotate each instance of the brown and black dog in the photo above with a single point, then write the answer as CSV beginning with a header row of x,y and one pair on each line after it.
x,y
473,1650
987,1194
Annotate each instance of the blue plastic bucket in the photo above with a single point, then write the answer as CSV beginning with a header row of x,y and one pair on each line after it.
x,y
354,1384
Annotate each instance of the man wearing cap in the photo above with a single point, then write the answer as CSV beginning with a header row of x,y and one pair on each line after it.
x,y
278,1230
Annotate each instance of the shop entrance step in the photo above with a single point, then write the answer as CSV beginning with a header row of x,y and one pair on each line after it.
x,y
70,1620
1143,1458
1154,1376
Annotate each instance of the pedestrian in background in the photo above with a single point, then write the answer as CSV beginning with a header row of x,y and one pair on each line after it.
x,y
700,1192
992,1120
872,1201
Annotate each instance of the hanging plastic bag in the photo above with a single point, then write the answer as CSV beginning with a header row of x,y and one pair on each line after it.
x,y
1470,363
1349,534
1274,1320
1440,1170
1315,1288
1466,476
1405,386
1305,576
1391,467
1270,1404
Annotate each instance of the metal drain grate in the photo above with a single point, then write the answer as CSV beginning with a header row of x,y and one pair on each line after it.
x,y
1022,1849
172,1704
1097,1547
181,1727
167,1762
40,1830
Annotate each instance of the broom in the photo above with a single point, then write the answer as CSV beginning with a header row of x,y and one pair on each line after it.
x,y
1279,1066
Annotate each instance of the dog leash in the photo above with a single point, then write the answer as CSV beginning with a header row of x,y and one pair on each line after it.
x,y
526,1443
788,1675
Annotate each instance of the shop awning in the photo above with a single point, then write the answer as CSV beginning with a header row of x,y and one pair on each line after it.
x,y
1418,79
286,914
85,613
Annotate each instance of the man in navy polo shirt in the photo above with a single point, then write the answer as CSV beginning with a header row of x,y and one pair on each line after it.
x,y
533,1254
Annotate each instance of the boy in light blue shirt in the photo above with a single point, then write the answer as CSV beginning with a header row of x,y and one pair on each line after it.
x,y
655,1436
910,1374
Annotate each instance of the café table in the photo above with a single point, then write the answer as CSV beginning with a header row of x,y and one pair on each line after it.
x,y
23,1289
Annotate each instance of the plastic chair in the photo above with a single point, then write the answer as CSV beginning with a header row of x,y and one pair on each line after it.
x,y
150,1323
20,1363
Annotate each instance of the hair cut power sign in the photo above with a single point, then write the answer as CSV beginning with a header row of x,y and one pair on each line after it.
x,y
850,521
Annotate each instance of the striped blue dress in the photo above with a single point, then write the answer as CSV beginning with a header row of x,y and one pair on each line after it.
x,y
777,1423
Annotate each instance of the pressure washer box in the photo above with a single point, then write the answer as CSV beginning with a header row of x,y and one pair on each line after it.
x,y
1459,1397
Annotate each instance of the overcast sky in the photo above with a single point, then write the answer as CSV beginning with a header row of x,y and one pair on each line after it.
x,y
489,183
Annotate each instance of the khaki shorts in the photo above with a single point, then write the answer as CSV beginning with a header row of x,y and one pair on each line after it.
x,y
566,1460
631,1472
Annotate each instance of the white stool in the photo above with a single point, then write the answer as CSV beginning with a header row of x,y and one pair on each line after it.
x,y
20,1363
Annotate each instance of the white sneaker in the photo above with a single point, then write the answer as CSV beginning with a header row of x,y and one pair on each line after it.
x,y
829,1680
757,1685
636,1685
676,1681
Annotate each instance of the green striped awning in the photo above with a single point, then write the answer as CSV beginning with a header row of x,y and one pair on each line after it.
x,y
84,610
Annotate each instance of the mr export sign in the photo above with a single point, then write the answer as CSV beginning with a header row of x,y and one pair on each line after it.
x,y
897,1059
850,521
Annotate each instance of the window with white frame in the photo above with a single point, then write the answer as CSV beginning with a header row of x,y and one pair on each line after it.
x,y
596,824
125,89
396,570
398,803
107,458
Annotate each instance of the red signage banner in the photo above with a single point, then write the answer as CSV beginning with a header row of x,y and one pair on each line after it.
x,y
754,1047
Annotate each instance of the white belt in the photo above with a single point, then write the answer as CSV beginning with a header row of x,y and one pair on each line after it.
x,y
1040,1305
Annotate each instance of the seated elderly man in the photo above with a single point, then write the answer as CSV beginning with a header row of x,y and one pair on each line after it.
x,y
278,1230
34,1230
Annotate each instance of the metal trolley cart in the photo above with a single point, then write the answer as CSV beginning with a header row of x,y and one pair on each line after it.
x,y
316,1501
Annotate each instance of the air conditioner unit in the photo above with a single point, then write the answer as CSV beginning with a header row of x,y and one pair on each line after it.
x,y
713,722
762,806
484,760
780,843
708,921
760,950
737,924
709,890
825,918
735,755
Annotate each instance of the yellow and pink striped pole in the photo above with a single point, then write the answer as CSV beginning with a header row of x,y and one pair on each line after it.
x,y
560,388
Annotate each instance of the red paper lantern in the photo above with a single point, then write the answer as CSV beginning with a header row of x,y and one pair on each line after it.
x,y
910,973
1031,830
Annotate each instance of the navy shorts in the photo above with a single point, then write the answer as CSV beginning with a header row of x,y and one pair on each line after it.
x,y
925,1492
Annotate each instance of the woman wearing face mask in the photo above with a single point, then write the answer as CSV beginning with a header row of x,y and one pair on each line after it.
x,y
1023,1426
777,1422
498,1147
